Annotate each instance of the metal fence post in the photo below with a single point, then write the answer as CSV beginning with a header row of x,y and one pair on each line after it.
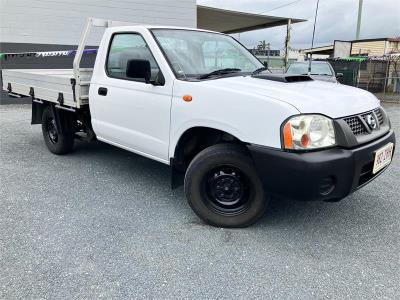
x,y
386,77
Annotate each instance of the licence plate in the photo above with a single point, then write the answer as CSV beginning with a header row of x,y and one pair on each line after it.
x,y
383,157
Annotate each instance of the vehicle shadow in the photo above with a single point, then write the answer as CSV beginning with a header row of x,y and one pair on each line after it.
x,y
117,159
291,211
363,209
280,212
130,165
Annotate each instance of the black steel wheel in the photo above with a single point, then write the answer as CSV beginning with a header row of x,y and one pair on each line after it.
x,y
227,190
56,142
223,187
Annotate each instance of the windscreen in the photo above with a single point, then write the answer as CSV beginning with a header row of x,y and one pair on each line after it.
x,y
316,69
194,53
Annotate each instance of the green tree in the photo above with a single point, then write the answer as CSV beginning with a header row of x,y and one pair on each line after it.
x,y
262,45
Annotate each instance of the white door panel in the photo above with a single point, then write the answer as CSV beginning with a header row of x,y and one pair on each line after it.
x,y
135,115
131,114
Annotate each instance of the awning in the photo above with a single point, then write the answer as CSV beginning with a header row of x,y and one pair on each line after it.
x,y
229,21
326,50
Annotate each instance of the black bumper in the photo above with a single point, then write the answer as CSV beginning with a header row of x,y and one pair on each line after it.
x,y
327,175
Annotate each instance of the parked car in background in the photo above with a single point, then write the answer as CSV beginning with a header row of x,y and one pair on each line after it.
x,y
320,70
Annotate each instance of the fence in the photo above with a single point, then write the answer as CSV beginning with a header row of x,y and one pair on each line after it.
x,y
377,75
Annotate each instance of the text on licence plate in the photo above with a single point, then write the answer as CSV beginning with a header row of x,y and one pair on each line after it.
x,y
383,157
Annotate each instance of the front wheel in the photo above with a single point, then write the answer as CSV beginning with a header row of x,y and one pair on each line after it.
x,y
223,187
56,142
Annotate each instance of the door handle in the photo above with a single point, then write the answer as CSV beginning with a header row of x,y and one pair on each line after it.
x,y
102,91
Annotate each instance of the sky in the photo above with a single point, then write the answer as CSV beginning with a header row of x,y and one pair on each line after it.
x,y
337,20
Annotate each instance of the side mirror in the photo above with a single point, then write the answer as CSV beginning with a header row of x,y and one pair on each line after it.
x,y
138,69
339,75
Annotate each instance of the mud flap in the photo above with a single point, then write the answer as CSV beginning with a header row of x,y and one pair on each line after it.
x,y
37,112
177,177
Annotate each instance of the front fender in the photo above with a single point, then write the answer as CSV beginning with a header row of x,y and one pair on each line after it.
x,y
212,124
249,116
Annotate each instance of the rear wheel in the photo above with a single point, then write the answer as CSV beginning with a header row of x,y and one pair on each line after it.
x,y
56,142
223,187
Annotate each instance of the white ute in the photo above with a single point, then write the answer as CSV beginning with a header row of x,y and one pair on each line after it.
x,y
232,132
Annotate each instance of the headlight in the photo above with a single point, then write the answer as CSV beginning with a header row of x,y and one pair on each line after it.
x,y
306,132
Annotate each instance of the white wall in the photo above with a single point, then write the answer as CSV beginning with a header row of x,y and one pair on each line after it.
x,y
62,21
341,49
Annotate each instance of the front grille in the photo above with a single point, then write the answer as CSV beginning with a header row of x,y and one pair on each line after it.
x,y
356,126
379,115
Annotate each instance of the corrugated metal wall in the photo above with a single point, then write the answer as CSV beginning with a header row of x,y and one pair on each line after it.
x,y
62,21
47,25
392,47
373,48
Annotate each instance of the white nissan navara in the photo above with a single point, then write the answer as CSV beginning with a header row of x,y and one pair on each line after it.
x,y
233,133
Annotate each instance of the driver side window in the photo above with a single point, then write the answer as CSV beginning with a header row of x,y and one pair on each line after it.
x,y
127,46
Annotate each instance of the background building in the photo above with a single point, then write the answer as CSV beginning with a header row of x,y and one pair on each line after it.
x,y
375,47
52,25
367,47
48,25
371,64
45,25
275,59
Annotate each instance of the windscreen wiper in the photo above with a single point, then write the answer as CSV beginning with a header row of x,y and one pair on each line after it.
x,y
259,70
317,74
220,72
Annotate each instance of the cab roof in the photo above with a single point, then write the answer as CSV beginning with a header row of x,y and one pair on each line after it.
x,y
149,27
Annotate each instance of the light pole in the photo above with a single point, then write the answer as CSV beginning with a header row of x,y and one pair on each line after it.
x,y
287,42
360,5
312,41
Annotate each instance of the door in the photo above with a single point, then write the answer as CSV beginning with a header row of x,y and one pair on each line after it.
x,y
128,112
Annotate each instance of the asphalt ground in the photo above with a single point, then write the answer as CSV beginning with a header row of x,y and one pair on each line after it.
x,y
104,223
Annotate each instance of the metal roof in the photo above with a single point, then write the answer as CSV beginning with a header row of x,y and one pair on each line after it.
x,y
229,21
319,50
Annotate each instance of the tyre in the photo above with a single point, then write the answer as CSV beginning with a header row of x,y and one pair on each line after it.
x,y
56,142
223,187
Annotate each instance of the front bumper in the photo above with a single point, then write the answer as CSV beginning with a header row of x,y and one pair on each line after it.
x,y
327,175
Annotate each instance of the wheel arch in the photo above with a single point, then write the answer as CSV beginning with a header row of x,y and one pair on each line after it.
x,y
192,141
